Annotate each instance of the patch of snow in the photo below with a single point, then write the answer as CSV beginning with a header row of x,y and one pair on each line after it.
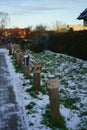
x,y
73,84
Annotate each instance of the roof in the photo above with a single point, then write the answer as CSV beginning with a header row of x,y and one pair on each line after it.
x,y
83,15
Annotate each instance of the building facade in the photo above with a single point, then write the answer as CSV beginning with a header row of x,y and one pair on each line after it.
x,y
83,16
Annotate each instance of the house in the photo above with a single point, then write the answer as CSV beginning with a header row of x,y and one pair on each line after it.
x,y
76,27
83,16
20,32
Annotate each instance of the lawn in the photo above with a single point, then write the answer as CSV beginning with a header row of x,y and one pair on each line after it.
x,y
72,78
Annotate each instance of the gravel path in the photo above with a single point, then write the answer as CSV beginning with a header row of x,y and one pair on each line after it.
x,y
10,117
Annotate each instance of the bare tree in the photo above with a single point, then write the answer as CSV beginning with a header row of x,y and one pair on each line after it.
x,y
59,26
40,28
28,31
4,19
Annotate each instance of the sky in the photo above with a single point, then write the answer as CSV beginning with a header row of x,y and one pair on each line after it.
x,y
24,13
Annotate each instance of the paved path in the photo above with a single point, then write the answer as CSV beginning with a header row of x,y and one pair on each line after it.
x,y
10,118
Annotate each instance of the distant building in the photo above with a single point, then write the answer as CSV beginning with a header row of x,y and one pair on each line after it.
x,y
83,16
76,27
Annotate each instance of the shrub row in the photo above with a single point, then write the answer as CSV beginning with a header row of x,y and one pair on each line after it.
x,y
72,43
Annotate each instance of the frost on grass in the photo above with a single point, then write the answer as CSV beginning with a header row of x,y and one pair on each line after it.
x,y
72,76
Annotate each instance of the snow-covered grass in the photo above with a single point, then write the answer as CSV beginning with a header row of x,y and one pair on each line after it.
x,y
72,74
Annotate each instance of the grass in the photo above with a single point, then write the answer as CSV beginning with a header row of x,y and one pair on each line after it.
x,y
30,105
83,114
70,102
25,84
32,92
43,89
16,66
53,122
67,68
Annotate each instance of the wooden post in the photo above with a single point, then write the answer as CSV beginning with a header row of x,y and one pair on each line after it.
x,y
11,47
10,50
36,71
53,95
20,59
17,55
16,46
27,71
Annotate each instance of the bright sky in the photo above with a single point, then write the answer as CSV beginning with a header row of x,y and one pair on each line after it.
x,y
24,13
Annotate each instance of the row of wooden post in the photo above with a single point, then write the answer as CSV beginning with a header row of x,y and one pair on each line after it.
x,y
52,80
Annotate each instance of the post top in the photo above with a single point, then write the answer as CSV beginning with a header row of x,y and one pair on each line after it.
x,y
25,56
52,82
37,68
51,76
